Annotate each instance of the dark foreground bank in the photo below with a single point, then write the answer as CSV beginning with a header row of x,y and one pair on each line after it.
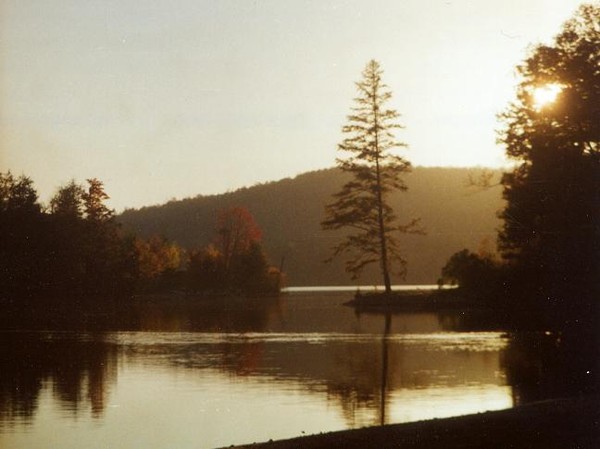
x,y
555,424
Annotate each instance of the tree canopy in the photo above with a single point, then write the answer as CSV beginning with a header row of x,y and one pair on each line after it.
x,y
68,201
551,231
74,249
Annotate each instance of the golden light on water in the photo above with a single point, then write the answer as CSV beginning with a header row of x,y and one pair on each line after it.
x,y
546,95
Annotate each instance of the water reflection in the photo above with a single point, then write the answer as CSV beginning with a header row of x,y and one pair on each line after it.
x,y
80,372
223,315
299,354
384,368
545,365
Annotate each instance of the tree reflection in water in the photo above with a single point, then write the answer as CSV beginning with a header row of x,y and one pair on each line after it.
x,y
551,365
384,368
369,378
78,370
78,364
364,364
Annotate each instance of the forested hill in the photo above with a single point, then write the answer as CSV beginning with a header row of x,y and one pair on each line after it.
x,y
454,214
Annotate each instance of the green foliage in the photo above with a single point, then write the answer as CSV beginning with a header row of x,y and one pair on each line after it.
x,y
551,232
362,204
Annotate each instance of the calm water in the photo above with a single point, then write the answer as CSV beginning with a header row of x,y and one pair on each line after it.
x,y
221,372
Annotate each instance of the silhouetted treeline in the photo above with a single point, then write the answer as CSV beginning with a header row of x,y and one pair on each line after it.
x,y
289,212
80,374
551,223
550,237
75,248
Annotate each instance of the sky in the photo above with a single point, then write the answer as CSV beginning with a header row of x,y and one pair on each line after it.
x,y
164,99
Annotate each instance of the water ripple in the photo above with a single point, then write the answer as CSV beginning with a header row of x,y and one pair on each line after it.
x,y
472,341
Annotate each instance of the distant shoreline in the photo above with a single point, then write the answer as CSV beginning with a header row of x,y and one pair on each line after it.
x,y
361,288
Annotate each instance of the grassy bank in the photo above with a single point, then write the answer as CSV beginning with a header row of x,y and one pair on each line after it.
x,y
557,424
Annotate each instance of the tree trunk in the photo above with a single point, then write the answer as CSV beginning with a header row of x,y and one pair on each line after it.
x,y
380,220
382,239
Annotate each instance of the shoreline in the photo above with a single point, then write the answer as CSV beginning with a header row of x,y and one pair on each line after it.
x,y
416,301
552,424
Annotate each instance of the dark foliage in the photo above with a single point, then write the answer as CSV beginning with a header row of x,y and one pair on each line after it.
x,y
251,273
479,275
550,238
206,270
551,232
236,262
23,248
75,248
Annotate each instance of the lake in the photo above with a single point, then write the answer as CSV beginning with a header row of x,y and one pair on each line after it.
x,y
215,372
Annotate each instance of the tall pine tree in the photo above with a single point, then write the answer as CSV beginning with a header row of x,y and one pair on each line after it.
x,y
362,204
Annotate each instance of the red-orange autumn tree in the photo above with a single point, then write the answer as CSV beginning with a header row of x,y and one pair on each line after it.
x,y
236,233
235,262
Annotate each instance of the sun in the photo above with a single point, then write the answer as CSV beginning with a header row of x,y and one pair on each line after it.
x,y
546,95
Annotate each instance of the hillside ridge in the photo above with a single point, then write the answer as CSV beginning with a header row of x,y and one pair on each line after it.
x,y
455,214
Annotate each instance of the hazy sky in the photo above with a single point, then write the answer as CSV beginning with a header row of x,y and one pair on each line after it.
x,y
174,98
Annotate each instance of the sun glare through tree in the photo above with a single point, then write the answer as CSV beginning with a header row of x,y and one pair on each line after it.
x,y
546,95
